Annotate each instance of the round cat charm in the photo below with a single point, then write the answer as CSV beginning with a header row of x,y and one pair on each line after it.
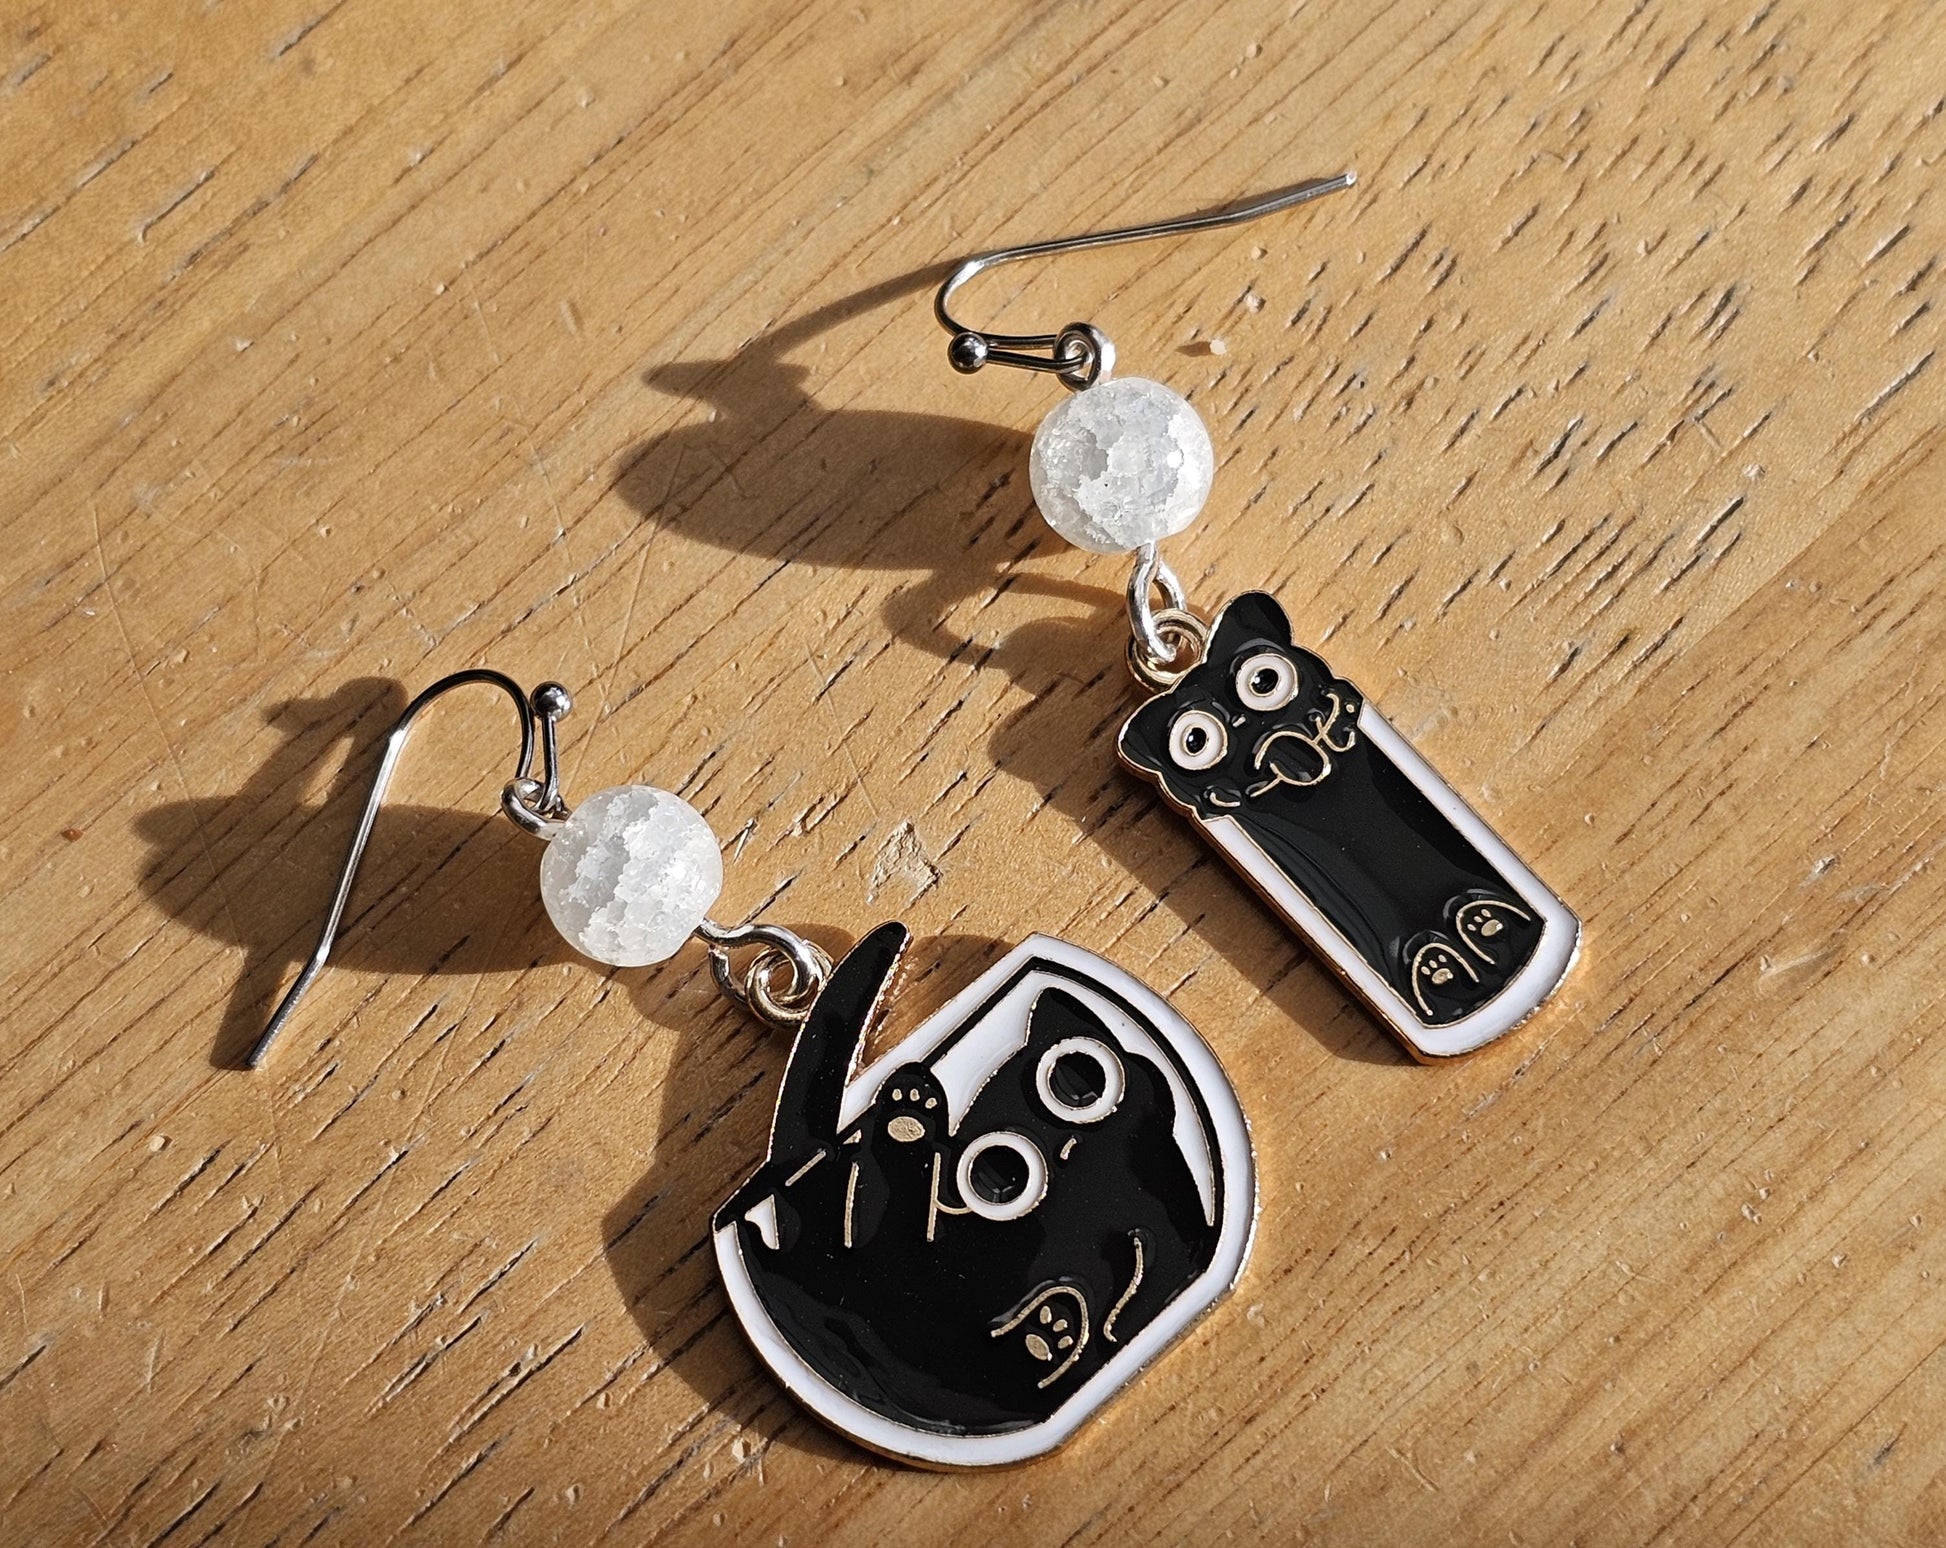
x,y
959,1253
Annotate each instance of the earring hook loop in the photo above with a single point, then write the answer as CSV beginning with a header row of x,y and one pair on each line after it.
x,y
1165,642
1080,354
536,805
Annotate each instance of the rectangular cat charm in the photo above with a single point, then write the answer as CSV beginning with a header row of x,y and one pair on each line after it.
x,y
1372,858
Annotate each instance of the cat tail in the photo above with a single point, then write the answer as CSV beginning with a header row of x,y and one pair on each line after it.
x,y
826,1052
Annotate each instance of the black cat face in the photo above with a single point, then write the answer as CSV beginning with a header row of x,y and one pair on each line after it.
x,y
1258,715
999,1163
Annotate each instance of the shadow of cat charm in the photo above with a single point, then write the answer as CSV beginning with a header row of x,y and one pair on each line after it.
x,y
1353,837
960,1253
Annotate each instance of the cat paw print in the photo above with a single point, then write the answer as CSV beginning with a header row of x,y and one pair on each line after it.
x,y
1051,1328
1490,928
1053,1325
1444,984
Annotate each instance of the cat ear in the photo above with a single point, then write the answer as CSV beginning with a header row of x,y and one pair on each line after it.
x,y
1056,1015
1144,739
1256,615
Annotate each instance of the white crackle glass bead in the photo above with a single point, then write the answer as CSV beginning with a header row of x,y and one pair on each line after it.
x,y
1120,464
631,873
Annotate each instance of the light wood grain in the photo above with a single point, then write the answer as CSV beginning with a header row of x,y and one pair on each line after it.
x,y
1597,435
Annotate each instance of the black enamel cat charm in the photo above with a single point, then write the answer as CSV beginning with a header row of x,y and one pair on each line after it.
x,y
961,1252
1352,837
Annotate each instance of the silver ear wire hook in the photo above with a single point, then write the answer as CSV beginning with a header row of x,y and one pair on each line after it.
x,y
535,804
1081,354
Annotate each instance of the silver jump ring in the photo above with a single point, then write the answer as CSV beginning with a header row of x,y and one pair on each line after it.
x,y
779,949
1190,637
523,800
1084,354
783,1007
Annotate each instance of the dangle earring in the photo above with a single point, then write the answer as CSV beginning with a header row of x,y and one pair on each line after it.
x,y
1363,849
959,1252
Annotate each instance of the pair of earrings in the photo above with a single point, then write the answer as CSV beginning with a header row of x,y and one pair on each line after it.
x,y
958,1253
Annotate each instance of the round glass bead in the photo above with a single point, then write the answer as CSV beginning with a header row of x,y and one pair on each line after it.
x,y
1120,464
630,874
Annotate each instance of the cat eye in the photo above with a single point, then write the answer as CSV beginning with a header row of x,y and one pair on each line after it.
x,y
1002,1175
1197,739
1267,681
1080,1079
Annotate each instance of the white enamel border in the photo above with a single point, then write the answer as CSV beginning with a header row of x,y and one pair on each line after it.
x,y
1554,953
1235,1179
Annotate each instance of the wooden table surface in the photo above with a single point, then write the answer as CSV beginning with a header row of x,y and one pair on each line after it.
x,y
1597,433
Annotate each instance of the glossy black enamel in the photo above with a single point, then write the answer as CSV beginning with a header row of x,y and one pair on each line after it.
x,y
898,1295
1411,894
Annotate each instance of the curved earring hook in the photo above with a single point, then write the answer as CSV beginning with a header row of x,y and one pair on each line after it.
x,y
1080,354
534,804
